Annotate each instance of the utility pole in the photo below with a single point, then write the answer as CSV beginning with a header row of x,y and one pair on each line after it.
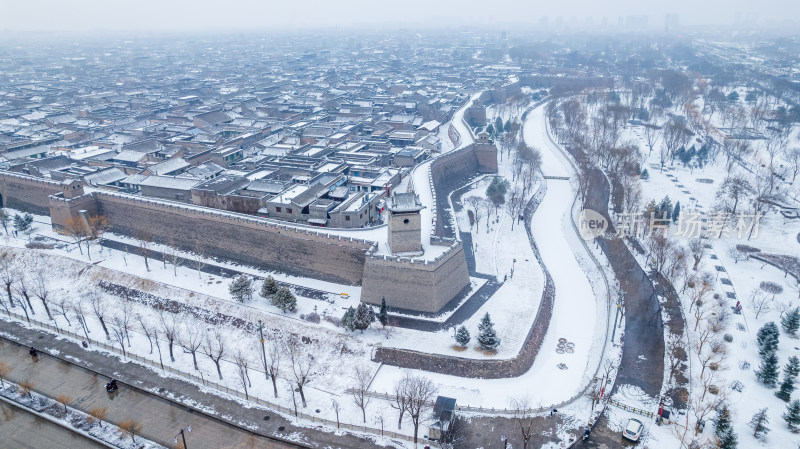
x,y
263,351
616,317
183,436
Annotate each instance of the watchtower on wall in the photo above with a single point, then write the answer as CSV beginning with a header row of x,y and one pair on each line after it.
x,y
405,223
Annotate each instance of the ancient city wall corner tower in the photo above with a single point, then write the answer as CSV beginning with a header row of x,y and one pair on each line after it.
x,y
405,223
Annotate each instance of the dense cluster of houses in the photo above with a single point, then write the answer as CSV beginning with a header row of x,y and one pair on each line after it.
x,y
314,137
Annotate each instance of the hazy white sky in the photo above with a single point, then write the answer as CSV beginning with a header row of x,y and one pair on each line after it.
x,y
179,15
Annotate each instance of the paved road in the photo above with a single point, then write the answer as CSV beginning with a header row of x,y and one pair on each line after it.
x,y
21,429
161,418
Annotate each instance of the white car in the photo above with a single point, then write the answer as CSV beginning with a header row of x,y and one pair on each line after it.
x,y
633,430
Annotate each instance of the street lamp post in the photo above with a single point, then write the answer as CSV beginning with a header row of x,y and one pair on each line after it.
x,y
263,351
616,317
183,436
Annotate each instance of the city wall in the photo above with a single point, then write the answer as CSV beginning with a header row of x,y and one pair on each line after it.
x,y
413,284
417,285
26,192
248,240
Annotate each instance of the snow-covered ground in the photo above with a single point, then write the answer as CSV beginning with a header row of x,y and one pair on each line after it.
x,y
513,307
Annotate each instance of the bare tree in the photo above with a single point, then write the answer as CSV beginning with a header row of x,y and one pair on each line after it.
x,y
793,158
4,370
477,209
26,387
130,427
61,305
170,328
272,365
119,330
190,338
760,301
100,308
421,392
75,228
200,254
360,391
401,398
41,291
98,415
172,254
676,353
79,310
242,363
380,419
64,400
98,225
304,365
147,329
145,242
523,418
214,348
336,409
515,204
22,290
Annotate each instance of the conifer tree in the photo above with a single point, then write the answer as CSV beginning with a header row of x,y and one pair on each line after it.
x,y
349,318
241,288
364,316
722,429
791,321
284,300
269,287
759,423
676,212
767,373
792,415
645,175
383,314
790,372
462,336
767,338
487,337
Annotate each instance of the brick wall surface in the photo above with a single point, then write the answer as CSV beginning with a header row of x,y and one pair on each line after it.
x,y
415,286
282,249
28,194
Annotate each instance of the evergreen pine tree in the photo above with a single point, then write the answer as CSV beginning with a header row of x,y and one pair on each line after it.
x,y
284,300
241,288
364,317
767,373
676,212
723,430
486,321
645,175
786,388
792,415
722,423
383,314
791,321
790,372
490,129
507,126
759,423
462,336
767,338
487,337
349,318
269,287
665,208
498,126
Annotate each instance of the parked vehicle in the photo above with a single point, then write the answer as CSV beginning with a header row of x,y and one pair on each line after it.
x,y
633,430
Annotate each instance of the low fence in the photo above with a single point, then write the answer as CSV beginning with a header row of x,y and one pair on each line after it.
x,y
209,383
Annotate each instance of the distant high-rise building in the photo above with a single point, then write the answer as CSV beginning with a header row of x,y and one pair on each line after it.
x,y
671,21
